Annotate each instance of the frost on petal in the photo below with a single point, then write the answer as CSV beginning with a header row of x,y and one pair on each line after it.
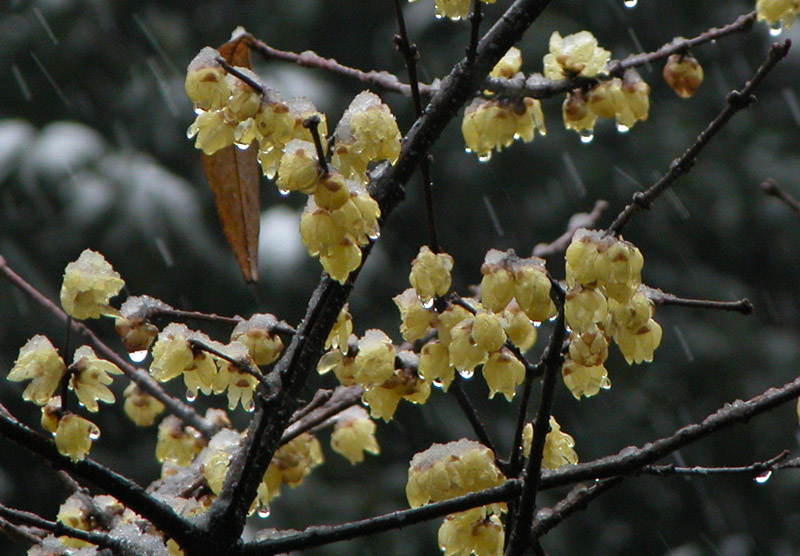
x,y
89,283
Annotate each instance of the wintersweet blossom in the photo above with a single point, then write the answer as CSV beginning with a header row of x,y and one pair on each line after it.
x,y
89,283
40,363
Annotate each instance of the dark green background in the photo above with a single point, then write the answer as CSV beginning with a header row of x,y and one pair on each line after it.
x,y
95,155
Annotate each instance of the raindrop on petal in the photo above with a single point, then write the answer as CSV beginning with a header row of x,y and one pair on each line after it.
x,y
586,135
466,374
437,383
283,192
94,434
622,128
250,407
263,511
775,29
485,157
191,396
630,3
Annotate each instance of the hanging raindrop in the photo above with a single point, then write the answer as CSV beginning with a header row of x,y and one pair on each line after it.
x,y
622,128
485,157
763,477
466,374
586,135
283,192
191,396
630,3
137,356
775,29
94,434
263,511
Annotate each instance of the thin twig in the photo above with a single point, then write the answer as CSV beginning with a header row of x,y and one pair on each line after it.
x,y
771,188
255,85
243,365
736,101
470,413
322,535
174,406
312,125
659,298
475,19
342,398
753,469
526,507
577,221
577,499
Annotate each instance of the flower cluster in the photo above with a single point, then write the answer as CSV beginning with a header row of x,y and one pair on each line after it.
x,y
778,12
89,283
574,55
446,471
558,446
290,465
340,216
604,301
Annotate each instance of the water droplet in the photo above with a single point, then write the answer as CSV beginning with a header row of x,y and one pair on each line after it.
x,y
137,356
263,511
375,234
283,192
622,128
630,3
242,146
191,132
198,110
775,29
191,396
94,434
438,16
586,135
428,304
485,157
250,406
763,477
467,150
466,374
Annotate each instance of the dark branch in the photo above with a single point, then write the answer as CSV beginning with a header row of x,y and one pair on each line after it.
x,y
736,101
743,306
771,188
577,221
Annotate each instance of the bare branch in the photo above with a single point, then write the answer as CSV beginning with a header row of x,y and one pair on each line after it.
x,y
771,188
736,101
342,398
579,220
743,306
577,499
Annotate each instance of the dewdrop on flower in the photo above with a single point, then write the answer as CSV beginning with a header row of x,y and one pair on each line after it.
x,y
778,12
74,436
89,378
206,85
212,131
573,55
684,74
354,434
430,274
39,362
258,334
503,372
415,319
89,283
367,132
445,471
141,407
558,446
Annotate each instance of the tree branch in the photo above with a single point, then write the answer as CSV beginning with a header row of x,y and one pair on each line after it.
x,y
143,379
771,188
736,101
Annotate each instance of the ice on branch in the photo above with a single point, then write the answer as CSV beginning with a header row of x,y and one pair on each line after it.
x,y
40,363
89,283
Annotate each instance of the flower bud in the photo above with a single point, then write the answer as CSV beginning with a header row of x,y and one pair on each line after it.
x,y
684,74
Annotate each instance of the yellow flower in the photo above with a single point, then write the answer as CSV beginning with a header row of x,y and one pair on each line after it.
x,y
76,512
74,436
638,345
487,331
90,378
240,385
589,348
448,319
341,330
508,65
141,407
473,531
576,54
584,381
332,191
465,353
434,364
244,101
445,471
257,334
684,73
291,465
637,101
578,114
342,365
340,259
367,132
558,446
212,130
497,284
430,274
176,443
415,319
40,362
503,372
353,434
205,84
519,328
89,283
51,413
375,359
775,11
299,169
217,458
532,289
584,308
404,383
171,352
494,124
